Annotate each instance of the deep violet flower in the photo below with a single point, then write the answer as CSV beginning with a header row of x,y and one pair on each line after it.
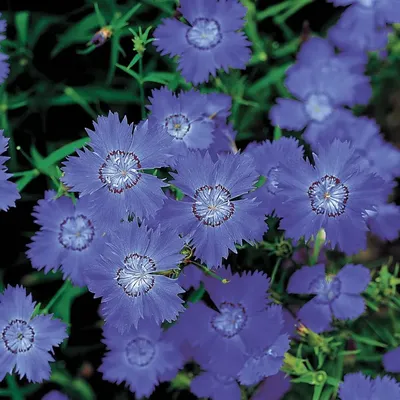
x,y
360,387
211,40
391,360
333,195
338,295
190,276
139,357
8,190
68,237
26,341
113,172
240,325
4,67
126,276
212,216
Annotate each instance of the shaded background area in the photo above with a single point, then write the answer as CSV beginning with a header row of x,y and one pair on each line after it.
x,y
48,63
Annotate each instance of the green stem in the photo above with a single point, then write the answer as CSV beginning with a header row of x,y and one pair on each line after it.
x,y
59,293
319,242
275,270
207,271
13,388
141,88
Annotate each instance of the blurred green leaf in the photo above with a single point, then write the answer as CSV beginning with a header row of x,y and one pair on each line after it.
x,y
274,75
62,307
21,24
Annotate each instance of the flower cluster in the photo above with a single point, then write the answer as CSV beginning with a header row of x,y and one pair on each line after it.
x,y
146,209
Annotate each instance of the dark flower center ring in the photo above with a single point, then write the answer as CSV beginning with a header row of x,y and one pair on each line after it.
x,y
120,171
18,336
76,233
328,196
204,34
177,125
136,278
213,205
140,352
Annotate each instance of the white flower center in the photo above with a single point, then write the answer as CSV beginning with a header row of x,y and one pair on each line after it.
x,y
213,205
204,34
230,320
328,196
18,336
76,233
140,352
136,278
120,171
318,107
177,125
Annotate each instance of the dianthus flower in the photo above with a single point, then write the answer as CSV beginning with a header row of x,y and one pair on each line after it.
x,y
55,395
26,341
8,190
127,276
215,386
377,155
240,325
384,221
190,276
68,237
113,173
267,158
322,93
333,195
273,388
182,118
391,360
267,360
4,67
338,295
209,42
360,387
139,357
319,55
212,216
363,25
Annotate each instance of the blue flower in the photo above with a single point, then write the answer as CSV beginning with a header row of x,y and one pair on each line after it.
x,y
224,140
322,88
213,385
8,190
267,360
319,54
55,395
139,357
273,388
333,195
190,276
127,276
363,25
4,67
26,341
182,118
360,387
384,221
212,216
337,295
68,237
113,172
209,42
228,336
378,155
267,158
391,360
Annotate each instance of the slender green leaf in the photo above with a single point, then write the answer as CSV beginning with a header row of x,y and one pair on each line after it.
x,y
71,92
21,24
130,72
367,340
123,21
100,18
274,75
